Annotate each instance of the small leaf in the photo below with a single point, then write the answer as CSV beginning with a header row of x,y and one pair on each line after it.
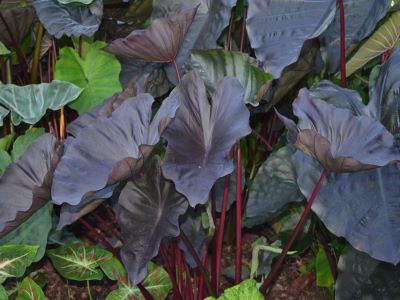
x,y
247,289
213,65
14,259
77,262
323,270
202,135
59,19
29,290
23,142
29,103
160,42
148,211
383,39
113,269
97,72
3,49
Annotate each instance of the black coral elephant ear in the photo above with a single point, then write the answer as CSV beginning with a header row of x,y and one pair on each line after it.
x,y
160,42
337,139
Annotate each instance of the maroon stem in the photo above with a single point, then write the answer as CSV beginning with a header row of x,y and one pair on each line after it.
x,y
229,39
178,74
176,294
243,30
213,241
201,280
263,140
98,236
188,279
145,293
277,266
107,226
342,45
220,233
179,268
238,250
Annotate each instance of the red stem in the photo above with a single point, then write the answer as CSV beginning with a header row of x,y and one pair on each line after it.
x,y
213,241
342,45
243,30
201,280
263,140
145,293
111,214
176,294
179,266
238,250
220,233
188,279
229,39
277,266
107,226
178,74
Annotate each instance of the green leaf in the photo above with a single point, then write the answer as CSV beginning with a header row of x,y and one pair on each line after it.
x,y
157,283
23,142
96,71
14,259
213,65
113,268
3,49
324,274
3,112
5,161
383,39
33,231
77,262
29,103
247,289
3,293
67,2
7,141
29,290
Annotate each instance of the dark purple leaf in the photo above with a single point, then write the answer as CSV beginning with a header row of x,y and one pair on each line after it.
x,y
148,211
202,135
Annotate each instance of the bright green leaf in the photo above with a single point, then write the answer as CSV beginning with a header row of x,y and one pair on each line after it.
x,y
213,65
96,71
383,39
7,141
3,49
14,259
29,103
29,290
3,293
157,283
77,262
113,268
34,231
5,161
23,142
324,274
247,289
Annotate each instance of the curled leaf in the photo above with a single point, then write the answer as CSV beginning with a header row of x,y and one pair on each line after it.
x,y
202,135
148,211
338,140
160,42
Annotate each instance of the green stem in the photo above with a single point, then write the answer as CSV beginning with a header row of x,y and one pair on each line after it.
x,y
36,53
88,289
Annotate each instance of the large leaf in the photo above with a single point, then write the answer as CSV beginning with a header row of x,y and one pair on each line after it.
x,y
3,293
384,104
160,42
14,259
29,103
113,268
361,17
29,290
157,283
5,161
367,277
210,20
96,71
3,113
277,30
126,139
25,185
274,186
202,135
383,39
34,231
340,141
59,19
23,142
247,289
358,206
148,211
77,262
214,65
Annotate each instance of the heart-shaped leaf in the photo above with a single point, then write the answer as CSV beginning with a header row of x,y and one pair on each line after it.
x,y
148,211
113,269
277,30
340,141
383,39
368,278
77,262
59,19
25,185
274,186
157,283
34,231
213,65
29,103
247,289
96,72
160,42
29,290
14,259
361,17
85,167
202,135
